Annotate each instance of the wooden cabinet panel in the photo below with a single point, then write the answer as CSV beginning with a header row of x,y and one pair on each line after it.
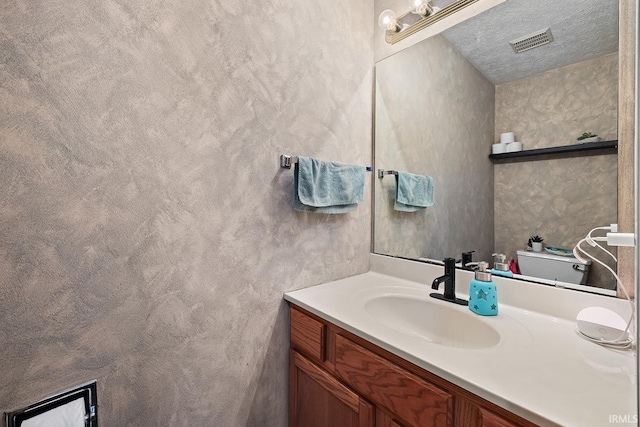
x,y
384,420
307,335
415,401
466,413
469,414
316,399
487,418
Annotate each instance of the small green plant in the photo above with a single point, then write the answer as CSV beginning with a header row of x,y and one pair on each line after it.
x,y
534,238
586,135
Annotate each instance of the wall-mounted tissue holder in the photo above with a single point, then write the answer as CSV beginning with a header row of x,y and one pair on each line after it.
x,y
77,406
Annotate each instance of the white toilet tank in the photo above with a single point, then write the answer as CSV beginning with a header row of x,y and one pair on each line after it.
x,y
553,267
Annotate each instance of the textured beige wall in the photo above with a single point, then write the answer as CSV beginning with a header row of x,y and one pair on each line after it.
x,y
555,107
434,116
147,233
560,199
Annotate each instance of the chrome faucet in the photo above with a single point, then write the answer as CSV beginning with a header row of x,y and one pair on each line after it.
x,y
449,280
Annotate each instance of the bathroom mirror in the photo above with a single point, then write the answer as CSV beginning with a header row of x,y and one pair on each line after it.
x,y
441,104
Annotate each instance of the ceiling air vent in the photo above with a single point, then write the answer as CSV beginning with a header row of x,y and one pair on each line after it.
x,y
530,41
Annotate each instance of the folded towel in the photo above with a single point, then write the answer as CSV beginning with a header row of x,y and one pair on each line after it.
x,y
413,192
327,187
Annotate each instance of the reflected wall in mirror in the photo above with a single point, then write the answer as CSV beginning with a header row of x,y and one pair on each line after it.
x,y
442,103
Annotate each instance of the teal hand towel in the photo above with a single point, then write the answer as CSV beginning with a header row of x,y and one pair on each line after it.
x,y
413,192
327,187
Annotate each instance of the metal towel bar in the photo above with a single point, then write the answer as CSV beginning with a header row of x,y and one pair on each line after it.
x,y
287,161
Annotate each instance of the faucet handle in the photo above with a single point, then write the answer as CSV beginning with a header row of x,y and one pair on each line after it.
x,y
473,266
467,257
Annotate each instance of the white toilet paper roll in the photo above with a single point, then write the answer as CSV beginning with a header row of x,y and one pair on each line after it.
x,y
506,138
514,146
499,148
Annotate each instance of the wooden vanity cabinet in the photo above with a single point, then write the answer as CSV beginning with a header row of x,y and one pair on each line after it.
x,y
319,400
337,379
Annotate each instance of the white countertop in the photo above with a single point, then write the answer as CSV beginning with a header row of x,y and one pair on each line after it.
x,y
540,369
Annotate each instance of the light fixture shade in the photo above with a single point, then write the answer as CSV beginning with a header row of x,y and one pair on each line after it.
x,y
387,20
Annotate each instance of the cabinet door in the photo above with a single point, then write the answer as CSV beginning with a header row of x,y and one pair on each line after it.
x,y
316,399
487,418
384,420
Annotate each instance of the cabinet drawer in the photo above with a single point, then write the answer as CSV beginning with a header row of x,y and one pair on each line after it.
x,y
415,401
307,335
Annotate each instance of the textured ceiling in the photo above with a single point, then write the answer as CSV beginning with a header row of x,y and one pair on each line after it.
x,y
582,29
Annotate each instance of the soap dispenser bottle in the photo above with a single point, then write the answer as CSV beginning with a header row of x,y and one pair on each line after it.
x,y
501,267
483,296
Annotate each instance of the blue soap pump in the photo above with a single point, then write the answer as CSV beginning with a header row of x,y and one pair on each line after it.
x,y
483,296
501,266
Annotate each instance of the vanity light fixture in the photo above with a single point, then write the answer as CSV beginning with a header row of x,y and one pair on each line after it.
x,y
387,21
421,7
421,15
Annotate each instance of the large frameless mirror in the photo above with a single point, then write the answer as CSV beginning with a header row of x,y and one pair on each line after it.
x,y
442,103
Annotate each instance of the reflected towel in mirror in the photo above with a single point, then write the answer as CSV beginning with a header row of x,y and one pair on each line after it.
x,y
413,192
327,187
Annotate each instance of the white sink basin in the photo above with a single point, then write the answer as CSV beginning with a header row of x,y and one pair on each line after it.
x,y
453,326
